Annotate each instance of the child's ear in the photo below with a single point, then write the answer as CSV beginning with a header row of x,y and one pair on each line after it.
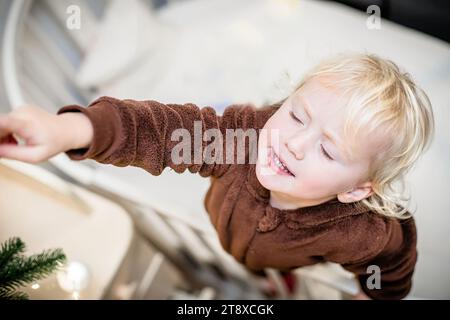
x,y
356,194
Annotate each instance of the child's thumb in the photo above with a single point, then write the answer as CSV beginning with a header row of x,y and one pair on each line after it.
x,y
9,124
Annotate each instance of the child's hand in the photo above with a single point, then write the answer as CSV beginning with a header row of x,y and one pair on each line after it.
x,y
44,134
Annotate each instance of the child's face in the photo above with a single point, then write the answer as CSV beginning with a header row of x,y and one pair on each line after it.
x,y
304,147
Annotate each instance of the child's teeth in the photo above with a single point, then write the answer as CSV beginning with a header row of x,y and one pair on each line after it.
x,y
280,165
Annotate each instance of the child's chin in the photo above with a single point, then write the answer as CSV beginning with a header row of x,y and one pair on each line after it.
x,y
267,178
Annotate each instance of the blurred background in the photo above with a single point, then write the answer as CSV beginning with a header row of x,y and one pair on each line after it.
x,y
125,235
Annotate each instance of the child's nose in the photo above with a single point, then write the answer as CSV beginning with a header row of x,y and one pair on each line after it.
x,y
295,149
298,144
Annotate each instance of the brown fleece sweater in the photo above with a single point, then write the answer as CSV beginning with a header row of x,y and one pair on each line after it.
x,y
138,133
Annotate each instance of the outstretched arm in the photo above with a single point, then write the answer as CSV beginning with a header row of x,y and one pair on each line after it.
x,y
143,134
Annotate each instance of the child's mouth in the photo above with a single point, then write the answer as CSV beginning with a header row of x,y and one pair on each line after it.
x,y
277,164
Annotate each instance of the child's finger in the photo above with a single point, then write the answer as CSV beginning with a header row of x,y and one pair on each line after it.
x,y
30,154
11,125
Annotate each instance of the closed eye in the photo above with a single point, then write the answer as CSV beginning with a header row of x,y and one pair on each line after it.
x,y
326,153
295,118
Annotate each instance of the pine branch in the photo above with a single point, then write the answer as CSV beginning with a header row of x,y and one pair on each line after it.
x,y
12,295
17,270
9,249
22,270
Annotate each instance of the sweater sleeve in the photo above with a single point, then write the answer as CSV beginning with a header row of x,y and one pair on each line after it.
x,y
393,262
142,134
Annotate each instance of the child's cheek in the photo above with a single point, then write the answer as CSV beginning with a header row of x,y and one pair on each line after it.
x,y
314,181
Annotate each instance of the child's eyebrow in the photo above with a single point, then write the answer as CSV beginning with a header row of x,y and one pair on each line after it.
x,y
327,134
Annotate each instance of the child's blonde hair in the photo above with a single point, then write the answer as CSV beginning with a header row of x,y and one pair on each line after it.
x,y
380,96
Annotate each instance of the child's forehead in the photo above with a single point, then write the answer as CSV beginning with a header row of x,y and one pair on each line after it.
x,y
322,82
321,89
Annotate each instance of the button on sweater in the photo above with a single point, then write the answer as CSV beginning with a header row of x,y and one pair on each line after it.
x,y
258,235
